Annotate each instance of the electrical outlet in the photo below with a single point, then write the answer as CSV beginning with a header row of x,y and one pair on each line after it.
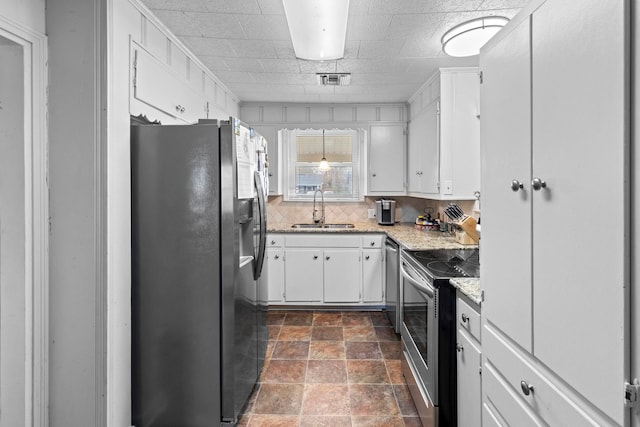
x,y
371,213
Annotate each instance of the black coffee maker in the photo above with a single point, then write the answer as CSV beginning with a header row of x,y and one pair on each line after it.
x,y
386,211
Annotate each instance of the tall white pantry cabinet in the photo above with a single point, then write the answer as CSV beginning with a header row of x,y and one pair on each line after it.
x,y
555,128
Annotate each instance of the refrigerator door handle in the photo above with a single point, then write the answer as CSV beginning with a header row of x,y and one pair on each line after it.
x,y
262,207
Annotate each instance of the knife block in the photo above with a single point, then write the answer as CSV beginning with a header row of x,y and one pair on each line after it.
x,y
468,224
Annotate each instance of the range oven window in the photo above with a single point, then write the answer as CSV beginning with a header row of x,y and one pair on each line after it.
x,y
416,317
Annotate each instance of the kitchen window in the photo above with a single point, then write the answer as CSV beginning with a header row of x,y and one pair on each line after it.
x,y
304,150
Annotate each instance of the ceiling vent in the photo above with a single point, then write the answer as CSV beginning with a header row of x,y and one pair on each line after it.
x,y
341,79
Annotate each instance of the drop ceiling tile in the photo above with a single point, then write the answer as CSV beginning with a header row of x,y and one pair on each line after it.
x,y
316,89
387,78
214,63
184,5
206,46
265,27
317,66
380,49
284,78
235,6
284,49
271,7
334,98
368,27
243,64
280,65
229,77
419,25
359,7
253,48
201,24
357,66
502,4
422,47
422,6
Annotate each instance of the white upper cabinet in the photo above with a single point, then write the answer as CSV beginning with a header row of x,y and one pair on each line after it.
x,y
444,137
553,140
387,157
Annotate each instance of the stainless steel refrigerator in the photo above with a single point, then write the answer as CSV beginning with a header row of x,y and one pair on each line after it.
x,y
199,331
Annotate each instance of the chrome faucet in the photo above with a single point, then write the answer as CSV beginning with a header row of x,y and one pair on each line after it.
x,y
319,220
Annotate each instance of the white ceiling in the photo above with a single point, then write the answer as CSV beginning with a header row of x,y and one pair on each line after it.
x,y
392,46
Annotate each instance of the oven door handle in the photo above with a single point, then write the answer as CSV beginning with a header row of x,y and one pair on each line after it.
x,y
415,283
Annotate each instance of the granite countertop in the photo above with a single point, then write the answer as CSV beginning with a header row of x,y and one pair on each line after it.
x,y
404,233
470,286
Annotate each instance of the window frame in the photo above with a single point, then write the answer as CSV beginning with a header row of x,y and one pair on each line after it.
x,y
288,144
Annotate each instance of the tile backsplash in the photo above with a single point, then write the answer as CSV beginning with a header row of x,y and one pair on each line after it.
x,y
407,209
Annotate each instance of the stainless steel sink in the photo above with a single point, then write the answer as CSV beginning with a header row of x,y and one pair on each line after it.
x,y
322,226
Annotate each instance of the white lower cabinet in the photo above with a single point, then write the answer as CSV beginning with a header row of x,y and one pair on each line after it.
x,y
372,275
303,276
275,274
341,280
331,268
469,360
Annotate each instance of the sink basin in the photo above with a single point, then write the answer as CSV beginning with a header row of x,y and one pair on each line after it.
x,y
323,226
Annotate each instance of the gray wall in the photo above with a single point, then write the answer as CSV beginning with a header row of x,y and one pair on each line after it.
x,y
78,224
13,304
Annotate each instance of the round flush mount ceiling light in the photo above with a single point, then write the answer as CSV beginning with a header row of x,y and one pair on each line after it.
x,y
467,38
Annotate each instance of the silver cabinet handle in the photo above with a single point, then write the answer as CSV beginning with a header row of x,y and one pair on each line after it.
x,y
516,185
373,243
465,318
527,388
374,175
315,257
537,184
328,258
276,257
459,348
273,242
367,257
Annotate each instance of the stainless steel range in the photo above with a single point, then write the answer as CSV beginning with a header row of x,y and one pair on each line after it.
x,y
428,329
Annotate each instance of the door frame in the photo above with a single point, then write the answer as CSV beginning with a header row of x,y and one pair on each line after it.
x,y
36,192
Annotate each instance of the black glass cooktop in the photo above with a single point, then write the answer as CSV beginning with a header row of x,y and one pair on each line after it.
x,y
445,263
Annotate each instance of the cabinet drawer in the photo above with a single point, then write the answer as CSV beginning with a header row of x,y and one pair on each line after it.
x,y
372,241
501,406
549,398
322,241
468,318
275,240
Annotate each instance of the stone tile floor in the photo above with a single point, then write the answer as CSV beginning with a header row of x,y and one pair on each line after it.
x,y
331,369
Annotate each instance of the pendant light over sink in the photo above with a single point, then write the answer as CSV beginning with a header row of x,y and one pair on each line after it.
x,y
467,38
324,164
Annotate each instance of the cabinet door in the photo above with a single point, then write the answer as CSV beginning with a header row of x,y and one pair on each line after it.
x,y
430,153
342,275
424,146
372,286
303,275
506,157
160,87
469,384
579,150
275,274
386,159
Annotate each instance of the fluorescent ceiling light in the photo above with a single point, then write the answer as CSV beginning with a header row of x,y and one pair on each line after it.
x,y
318,27
467,38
